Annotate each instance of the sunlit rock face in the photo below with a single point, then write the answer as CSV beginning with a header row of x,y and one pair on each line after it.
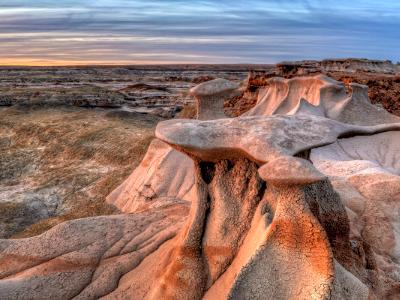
x,y
164,175
287,203
321,96
365,171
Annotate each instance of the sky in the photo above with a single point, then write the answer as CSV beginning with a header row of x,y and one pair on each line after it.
x,y
72,32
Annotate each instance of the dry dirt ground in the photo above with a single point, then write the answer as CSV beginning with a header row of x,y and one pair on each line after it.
x,y
60,163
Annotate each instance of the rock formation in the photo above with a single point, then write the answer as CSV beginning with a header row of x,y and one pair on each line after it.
x,y
163,176
381,77
365,171
210,98
286,202
322,96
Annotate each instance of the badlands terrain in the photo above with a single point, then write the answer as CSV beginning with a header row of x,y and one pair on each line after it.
x,y
164,182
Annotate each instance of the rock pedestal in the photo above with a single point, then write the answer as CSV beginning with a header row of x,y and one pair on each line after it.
x,y
210,98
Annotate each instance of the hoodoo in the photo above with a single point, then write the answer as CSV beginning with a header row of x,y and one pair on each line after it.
x,y
210,97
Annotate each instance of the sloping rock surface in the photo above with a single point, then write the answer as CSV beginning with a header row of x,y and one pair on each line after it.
x,y
365,171
163,176
84,258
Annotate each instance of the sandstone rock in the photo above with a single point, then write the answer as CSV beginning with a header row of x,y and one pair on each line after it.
x,y
365,171
276,232
210,97
257,261
359,109
383,83
84,258
322,96
164,175
261,139
284,96
290,171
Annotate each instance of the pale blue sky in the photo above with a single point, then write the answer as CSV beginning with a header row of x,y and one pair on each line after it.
x,y
122,31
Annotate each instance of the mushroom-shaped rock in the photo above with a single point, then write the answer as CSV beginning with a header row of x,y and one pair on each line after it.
x,y
260,139
210,98
288,170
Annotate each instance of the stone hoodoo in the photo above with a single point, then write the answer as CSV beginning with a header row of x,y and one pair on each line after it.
x,y
166,174
210,97
296,200
309,224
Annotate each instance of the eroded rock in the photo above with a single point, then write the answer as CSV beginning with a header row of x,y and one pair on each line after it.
x,y
210,97
164,175
365,171
260,138
264,222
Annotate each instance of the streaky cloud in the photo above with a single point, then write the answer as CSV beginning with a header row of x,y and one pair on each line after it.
x,y
252,31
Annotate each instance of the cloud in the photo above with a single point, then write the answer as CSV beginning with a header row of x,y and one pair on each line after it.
x,y
224,31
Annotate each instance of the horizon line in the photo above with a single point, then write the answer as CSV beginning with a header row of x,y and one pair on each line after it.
x,y
164,63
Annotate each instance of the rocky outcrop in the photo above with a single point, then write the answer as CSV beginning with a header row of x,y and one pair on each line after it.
x,y
322,96
258,138
274,211
365,171
210,98
317,95
318,235
84,258
348,65
381,77
357,65
383,90
164,175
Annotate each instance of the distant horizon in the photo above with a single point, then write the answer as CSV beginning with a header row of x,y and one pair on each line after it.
x,y
133,32
102,64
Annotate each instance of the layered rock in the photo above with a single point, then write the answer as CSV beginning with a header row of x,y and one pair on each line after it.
x,y
381,77
322,96
348,65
